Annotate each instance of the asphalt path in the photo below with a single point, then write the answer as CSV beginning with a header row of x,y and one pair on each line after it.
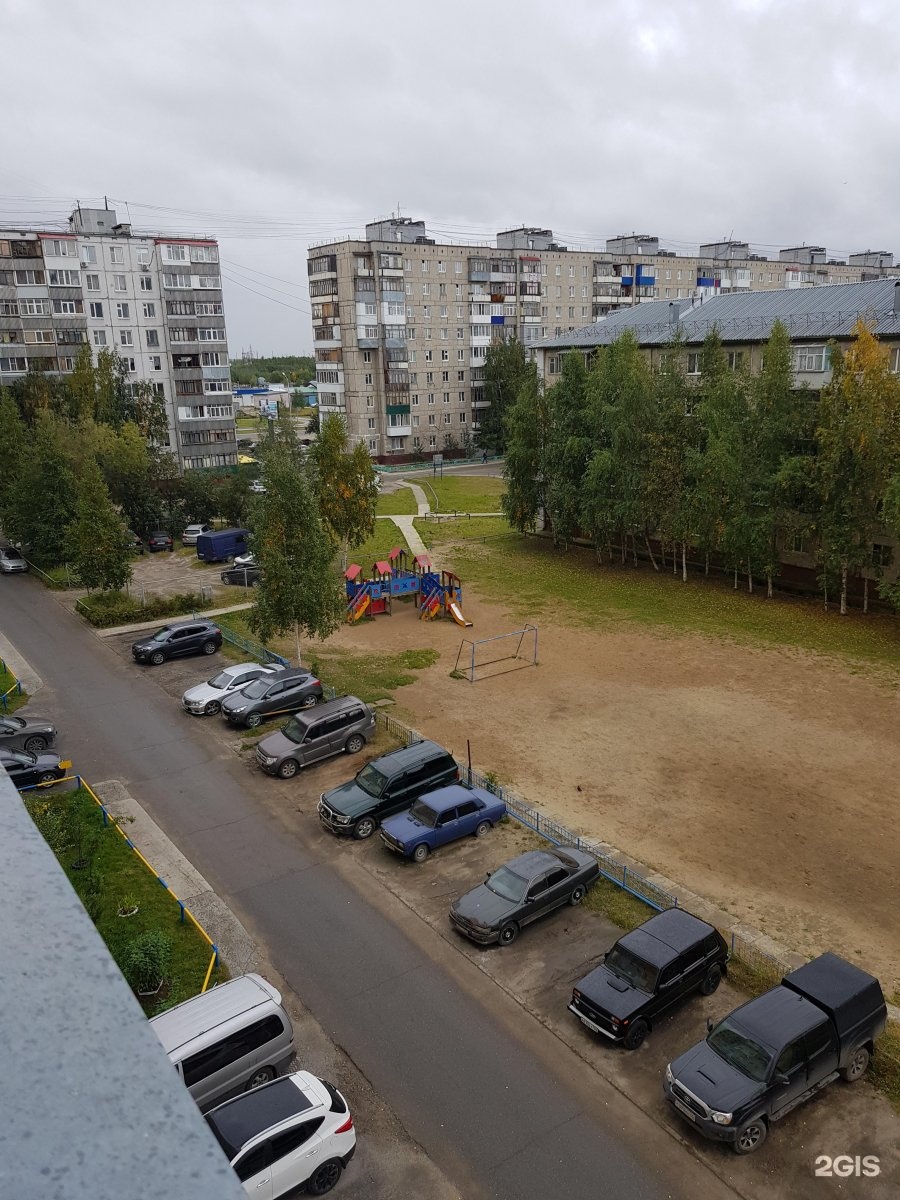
x,y
493,1097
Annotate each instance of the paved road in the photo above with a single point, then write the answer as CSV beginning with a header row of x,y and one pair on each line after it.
x,y
495,1100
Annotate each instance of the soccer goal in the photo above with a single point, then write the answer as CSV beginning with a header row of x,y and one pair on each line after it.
x,y
486,657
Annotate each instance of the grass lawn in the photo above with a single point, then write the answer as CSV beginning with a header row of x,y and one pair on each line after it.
x,y
73,826
575,588
399,503
463,493
15,699
379,545
620,906
464,529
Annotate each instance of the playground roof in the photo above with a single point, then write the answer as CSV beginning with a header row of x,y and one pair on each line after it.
x,y
383,567
352,571
423,560
395,553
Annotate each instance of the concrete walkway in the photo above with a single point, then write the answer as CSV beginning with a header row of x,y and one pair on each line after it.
x,y
136,628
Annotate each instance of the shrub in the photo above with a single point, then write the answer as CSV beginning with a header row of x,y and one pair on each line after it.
x,y
115,608
146,960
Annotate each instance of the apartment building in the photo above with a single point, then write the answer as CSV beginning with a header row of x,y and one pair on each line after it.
x,y
402,324
154,299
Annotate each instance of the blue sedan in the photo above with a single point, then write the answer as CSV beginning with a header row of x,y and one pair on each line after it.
x,y
439,817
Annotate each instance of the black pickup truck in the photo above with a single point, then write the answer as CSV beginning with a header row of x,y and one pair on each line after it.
x,y
776,1051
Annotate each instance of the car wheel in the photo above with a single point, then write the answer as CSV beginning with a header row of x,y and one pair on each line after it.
x,y
355,743
482,828
324,1178
288,769
364,828
258,1078
254,583
856,1067
49,777
157,657
750,1136
36,744
212,708
253,720
508,933
637,1031
711,981
420,853
209,647
577,895
310,701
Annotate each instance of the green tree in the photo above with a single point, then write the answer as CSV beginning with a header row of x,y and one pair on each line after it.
x,y
506,370
234,499
44,495
345,486
13,439
81,386
569,447
672,439
299,587
97,541
527,430
112,399
198,497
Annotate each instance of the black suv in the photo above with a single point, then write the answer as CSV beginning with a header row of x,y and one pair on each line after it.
x,y
385,786
240,576
272,695
178,640
646,972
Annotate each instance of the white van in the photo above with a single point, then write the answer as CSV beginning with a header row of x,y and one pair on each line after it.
x,y
232,1038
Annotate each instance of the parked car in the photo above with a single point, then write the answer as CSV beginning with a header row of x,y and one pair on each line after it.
x,y
440,817
11,560
192,532
241,576
525,888
345,724
272,696
385,786
25,732
293,1134
26,769
178,640
648,971
205,699
159,540
257,487
777,1050
245,560
135,544
235,1037
222,544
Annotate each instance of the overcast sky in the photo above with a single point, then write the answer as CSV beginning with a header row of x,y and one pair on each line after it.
x,y
285,122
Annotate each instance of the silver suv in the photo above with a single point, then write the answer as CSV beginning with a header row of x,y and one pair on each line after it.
x,y
345,724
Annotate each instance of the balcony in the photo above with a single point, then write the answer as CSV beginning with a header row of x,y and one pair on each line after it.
x,y
322,265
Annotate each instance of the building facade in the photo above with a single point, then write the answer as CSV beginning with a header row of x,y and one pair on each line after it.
x,y
156,300
402,324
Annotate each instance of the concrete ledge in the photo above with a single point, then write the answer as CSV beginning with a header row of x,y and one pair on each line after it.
x,y
29,678
211,612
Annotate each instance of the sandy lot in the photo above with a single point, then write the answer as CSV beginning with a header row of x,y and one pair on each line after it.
x,y
764,780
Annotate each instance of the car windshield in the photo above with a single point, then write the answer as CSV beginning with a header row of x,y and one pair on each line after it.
x,y
294,731
423,814
507,884
740,1051
256,689
633,970
24,757
222,680
371,780
10,724
161,634
230,1150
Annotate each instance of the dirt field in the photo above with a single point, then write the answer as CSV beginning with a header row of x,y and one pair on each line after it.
x,y
765,780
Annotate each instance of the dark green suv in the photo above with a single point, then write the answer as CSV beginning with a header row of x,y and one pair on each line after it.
x,y
385,786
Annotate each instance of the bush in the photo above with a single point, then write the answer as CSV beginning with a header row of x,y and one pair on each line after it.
x,y
116,608
147,959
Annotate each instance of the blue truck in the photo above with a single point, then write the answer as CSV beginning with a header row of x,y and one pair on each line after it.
x,y
222,545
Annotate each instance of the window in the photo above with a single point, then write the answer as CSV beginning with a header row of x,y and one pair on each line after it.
x,y
367,379
34,308
206,308
208,254
431,419
59,248
735,360
292,1139
895,360
149,310
99,337
428,355
371,422
462,415
123,311
38,336
31,277
119,284
214,358
13,364
415,418
152,337
809,358
457,268
448,417
146,283
373,445
693,363
253,1162
174,253
126,338
460,356
209,281
143,256
367,356
172,280
67,308
882,555
96,309
156,362
211,335
791,1058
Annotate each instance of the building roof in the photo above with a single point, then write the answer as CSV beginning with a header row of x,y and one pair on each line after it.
x,y
815,313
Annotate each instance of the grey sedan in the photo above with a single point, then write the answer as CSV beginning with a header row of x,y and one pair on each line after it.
x,y
11,560
33,734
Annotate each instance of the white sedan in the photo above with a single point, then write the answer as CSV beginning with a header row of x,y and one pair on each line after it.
x,y
205,700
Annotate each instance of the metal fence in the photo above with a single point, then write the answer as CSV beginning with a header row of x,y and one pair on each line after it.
x,y
425,464
254,649
16,687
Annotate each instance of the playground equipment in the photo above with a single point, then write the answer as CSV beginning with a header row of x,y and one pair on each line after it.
x,y
396,575
505,647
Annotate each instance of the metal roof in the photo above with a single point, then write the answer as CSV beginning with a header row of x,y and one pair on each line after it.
x,y
815,313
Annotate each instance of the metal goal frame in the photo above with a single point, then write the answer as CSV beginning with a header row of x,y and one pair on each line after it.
x,y
468,666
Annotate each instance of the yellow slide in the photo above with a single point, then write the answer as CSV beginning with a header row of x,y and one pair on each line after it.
x,y
357,609
456,614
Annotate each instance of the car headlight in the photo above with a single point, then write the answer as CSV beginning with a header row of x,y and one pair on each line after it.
x,y
243,708
721,1118
670,1078
341,820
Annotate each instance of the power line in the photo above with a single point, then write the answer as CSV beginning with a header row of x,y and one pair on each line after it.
x,y
262,295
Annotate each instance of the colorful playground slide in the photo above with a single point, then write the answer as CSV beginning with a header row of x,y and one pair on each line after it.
x,y
456,613
358,605
431,606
